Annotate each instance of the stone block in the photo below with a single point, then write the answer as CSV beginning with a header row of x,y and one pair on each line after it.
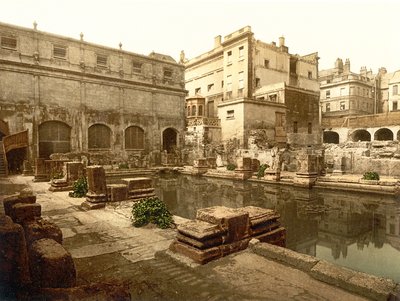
x,y
117,192
275,237
96,179
40,228
75,171
9,202
51,265
199,256
235,222
13,256
244,164
200,163
21,212
201,230
138,183
255,165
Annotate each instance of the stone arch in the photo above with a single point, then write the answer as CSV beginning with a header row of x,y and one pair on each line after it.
x,y
169,139
134,137
383,134
331,137
360,135
54,137
99,136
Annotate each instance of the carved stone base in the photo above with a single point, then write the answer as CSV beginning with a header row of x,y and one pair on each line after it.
x,y
91,206
306,180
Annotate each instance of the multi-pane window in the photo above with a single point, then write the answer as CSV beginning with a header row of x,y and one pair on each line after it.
x,y
137,67
230,114
167,73
101,60
197,91
229,83
59,51
327,107
395,90
229,60
200,113
241,80
394,106
209,87
342,105
9,42
241,51
99,136
327,94
134,138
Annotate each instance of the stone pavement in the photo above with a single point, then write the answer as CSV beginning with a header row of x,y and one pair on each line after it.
x,y
107,248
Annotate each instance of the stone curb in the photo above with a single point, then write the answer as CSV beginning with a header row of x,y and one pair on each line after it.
x,y
373,287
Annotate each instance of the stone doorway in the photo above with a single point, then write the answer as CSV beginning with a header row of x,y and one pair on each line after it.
x,y
170,140
54,137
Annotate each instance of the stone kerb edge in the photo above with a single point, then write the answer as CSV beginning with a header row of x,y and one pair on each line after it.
x,y
376,288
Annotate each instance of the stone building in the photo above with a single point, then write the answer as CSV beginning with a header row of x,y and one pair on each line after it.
x,y
75,96
345,93
243,86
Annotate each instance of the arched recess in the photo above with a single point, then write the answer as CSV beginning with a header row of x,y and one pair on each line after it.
x,y
361,135
99,137
170,140
383,134
193,110
54,137
134,138
331,137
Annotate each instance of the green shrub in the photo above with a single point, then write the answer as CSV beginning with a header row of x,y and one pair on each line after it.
x,y
123,166
371,175
261,170
231,167
151,210
80,188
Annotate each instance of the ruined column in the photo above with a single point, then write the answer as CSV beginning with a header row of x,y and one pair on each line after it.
x,y
75,171
40,171
96,196
244,168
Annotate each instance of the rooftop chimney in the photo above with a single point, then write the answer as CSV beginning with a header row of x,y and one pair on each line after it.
x,y
281,41
217,41
347,66
339,65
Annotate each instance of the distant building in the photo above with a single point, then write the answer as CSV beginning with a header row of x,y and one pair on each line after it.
x,y
75,96
345,93
244,85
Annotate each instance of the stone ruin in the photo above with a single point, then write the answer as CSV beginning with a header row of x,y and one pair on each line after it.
x,y
219,231
32,255
72,171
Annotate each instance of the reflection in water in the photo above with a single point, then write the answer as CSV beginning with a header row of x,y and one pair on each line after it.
x,y
357,230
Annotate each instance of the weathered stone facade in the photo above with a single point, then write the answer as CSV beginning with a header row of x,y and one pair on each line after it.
x,y
75,96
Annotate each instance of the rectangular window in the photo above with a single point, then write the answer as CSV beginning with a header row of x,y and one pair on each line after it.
x,y
241,51
266,63
395,90
257,82
394,105
310,128
309,74
101,60
59,52
273,97
9,43
351,90
327,107
295,129
327,94
197,91
137,67
167,73
229,83
209,87
222,84
230,114
342,105
229,59
241,80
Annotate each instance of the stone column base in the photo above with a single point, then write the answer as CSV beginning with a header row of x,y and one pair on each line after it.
x,y
306,180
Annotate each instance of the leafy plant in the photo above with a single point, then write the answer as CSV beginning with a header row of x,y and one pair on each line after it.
x,y
123,166
261,170
80,188
371,175
231,167
151,210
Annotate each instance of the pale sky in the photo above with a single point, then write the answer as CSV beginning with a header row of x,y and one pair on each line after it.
x,y
367,32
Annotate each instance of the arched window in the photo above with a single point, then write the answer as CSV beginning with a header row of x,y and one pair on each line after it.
x,y
54,137
200,110
170,138
331,137
361,135
383,134
193,110
134,138
99,136
188,111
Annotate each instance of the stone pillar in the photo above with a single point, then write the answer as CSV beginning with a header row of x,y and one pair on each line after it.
x,y
255,165
28,170
244,168
96,196
75,171
40,171
200,166
338,165
307,173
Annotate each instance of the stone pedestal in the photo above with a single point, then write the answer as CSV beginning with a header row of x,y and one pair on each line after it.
x,y
218,231
212,162
200,166
244,169
255,165
96,196
28,170
139,188
41,174
338,165
307,173
75,171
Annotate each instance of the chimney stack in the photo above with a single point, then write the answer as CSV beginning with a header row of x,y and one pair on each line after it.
x,y
217,41
281,41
